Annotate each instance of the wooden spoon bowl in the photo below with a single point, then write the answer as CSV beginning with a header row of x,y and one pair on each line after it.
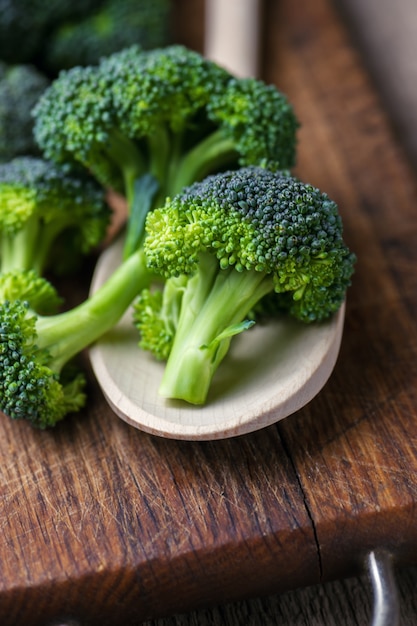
x,y
271,371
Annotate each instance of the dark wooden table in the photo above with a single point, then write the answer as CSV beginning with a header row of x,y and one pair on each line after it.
x,y
112,526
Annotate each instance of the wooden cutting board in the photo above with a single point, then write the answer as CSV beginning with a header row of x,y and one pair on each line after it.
x,y
110,526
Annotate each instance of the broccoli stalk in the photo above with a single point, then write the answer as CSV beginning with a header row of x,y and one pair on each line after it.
x,y
240,236
36,351
214,309
166,113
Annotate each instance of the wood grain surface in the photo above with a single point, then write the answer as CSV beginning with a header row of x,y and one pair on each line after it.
x,y
111,526
356,457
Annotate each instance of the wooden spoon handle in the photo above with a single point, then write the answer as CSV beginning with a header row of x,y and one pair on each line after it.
x,y
232,33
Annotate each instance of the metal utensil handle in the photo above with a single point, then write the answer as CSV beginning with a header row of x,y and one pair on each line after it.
x,y
386,604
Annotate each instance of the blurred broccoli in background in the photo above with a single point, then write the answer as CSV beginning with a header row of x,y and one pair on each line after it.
x,y
59,34
20,88
49,218
116,24
25,24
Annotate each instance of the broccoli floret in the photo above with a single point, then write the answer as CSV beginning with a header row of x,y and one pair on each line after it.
x,y
239,236
20,88
156,314
167,114
115,25
40,294
37,352
29,388
39,204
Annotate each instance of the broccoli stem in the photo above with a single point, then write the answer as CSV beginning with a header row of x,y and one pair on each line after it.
x,y
66,334
214,313
29,248
146,188
19,249
172,298
24,251
159,145
211,153
127,156
48,233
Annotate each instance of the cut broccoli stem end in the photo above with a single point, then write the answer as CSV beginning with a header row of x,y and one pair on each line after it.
x,y
67,334
204,332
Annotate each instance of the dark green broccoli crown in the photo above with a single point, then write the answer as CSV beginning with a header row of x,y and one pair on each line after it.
x,y
74,116
31,186
168,110
133,90
140,99
104,116
29,389
259,119
193,79
256,219
77,121
117,24
20,88
164,85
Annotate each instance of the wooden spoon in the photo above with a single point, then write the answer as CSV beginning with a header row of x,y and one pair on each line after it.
x,y
232,35
271,371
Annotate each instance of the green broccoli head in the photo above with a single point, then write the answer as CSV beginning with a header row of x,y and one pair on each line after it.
x,y
161,88
169,113
29,388
106,116
116,24
20,88
254,219
38,292
39,201
73,119
241,236
259,120
38,379
156,312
